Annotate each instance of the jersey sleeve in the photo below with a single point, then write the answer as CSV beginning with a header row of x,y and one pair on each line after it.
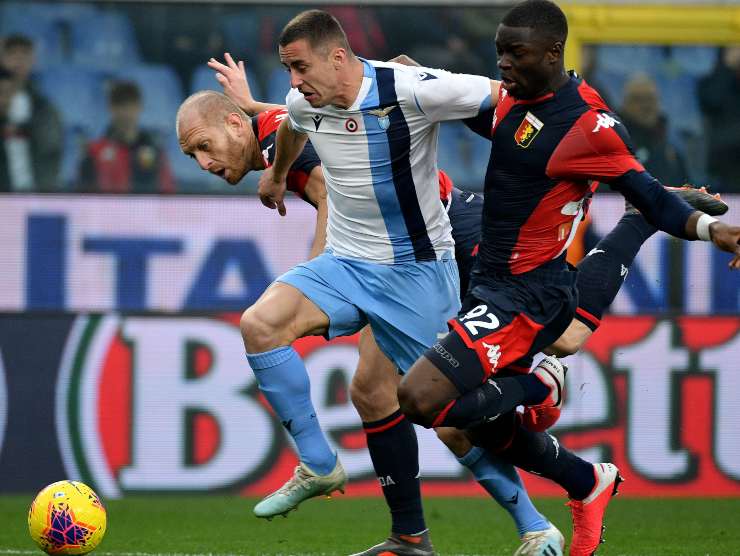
x,y
301,170
441,95
294,101
597,147
482,124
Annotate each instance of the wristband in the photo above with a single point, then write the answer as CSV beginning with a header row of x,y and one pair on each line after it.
x,y
702,227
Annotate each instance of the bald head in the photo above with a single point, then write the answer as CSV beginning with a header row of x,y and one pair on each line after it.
x,y
208,107
214,131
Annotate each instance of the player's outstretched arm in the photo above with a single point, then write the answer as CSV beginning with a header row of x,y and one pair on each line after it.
x,y
673,215
409,61
232,76
288,145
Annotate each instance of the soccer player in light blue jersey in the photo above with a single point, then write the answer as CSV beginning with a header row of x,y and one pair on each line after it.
x,y
390,257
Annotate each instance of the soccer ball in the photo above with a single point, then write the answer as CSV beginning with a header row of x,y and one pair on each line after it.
x,y
67,517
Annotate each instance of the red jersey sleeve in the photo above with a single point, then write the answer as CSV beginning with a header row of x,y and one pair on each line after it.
x,y
597,147
267,124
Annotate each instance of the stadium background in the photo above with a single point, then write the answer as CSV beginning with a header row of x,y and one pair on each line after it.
x,y
120,357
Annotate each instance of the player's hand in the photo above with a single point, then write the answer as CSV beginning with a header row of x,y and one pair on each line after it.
x,y
405,60
232,76
726,237
272,192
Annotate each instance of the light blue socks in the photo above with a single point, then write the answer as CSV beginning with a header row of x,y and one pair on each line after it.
x,y
283,379
501,481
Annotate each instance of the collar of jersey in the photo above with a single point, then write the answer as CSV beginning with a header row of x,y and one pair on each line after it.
x,y
368,77
548,96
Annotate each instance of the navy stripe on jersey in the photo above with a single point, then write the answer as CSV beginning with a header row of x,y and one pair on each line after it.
x,y
382,173
399,143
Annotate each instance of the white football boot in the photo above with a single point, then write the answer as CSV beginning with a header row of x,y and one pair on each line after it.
x,y
549,542
303,485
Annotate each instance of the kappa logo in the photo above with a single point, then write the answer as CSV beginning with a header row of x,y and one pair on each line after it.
x,y
446,355
623,272
556,444
528,130
604,121
384,120
494,354
317,120
495,385
266,153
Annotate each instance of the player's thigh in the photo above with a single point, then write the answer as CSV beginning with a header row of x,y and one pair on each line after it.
x,y
280,316
571,340
375,383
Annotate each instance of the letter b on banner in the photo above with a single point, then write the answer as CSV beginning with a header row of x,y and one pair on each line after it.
x,y
164,394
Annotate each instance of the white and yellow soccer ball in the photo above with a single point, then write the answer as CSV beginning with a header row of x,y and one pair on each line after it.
x,y
67,517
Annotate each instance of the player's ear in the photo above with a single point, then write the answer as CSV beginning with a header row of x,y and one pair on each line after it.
x,y
235,123
338,56
555,53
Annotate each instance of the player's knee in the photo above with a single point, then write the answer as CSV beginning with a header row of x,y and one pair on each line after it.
x,y
415,405
563,347
258,333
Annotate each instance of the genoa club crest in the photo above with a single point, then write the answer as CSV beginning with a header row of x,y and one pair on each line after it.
x,y
527,130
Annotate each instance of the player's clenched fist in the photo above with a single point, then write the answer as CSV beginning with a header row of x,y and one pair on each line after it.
x,y
272,192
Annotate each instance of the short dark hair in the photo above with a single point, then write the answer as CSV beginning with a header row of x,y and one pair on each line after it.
x,y
319,28
541,15
17,41
124,92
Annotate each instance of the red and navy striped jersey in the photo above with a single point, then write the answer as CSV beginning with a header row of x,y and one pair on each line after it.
x,y
265,126
545,154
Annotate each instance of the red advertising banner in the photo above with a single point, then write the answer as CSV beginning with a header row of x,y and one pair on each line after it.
x,y
170,404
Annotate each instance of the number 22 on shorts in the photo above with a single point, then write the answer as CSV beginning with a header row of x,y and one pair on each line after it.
x,y
489,321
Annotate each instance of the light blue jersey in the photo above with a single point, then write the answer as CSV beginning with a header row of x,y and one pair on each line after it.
x,y
379,159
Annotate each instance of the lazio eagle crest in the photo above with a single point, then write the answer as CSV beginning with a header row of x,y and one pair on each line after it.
x,y
384,120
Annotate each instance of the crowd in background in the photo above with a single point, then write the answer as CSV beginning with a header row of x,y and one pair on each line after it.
x,y
88,93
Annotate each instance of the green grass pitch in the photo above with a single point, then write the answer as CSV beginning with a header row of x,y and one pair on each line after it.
x,y
219,525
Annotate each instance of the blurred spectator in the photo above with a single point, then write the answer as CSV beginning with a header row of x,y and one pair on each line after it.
x,y
648,126
590,72
364,32
127,159
719,99
31,129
